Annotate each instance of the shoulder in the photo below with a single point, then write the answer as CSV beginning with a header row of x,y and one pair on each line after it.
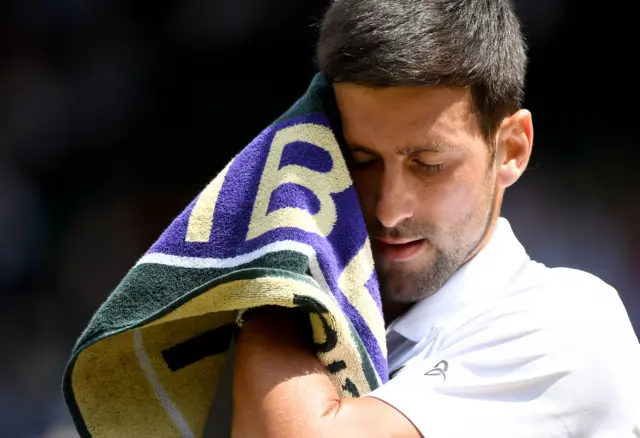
x,y
571,323
565,295
549,298
536,276
568,304
565,304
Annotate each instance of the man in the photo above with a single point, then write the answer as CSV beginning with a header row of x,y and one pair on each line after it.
x,y
483,341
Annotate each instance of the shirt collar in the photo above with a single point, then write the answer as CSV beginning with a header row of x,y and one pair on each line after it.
x,y
487,273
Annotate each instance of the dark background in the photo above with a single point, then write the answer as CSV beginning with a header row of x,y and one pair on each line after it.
x,y
114,114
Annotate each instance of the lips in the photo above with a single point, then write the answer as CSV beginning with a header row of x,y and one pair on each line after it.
x,y
397,250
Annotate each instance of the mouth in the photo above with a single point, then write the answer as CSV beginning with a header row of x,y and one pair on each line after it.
x,y
397,250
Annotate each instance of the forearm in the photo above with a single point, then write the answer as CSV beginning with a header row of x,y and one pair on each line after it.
x,y
279,402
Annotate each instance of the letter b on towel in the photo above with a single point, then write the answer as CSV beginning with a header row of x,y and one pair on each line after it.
x,y
321,184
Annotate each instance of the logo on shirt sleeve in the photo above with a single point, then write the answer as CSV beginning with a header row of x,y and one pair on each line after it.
x,y
439,370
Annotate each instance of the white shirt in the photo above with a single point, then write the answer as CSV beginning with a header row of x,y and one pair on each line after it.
x,y
509,348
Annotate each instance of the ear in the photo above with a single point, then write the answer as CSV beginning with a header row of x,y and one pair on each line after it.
x,y
513,147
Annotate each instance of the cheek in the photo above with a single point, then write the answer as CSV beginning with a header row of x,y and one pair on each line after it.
x,y
459,195
448,203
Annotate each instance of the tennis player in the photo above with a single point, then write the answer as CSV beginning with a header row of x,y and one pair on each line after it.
x,y
483,341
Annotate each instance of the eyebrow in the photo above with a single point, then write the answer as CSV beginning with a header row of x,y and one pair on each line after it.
x,y
431,146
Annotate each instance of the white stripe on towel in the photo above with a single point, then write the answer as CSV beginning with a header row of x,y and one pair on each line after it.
x,y
165,401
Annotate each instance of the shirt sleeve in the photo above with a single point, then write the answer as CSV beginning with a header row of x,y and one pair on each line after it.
x,y
516,373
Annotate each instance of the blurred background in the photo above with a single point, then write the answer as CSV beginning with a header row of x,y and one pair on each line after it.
x,y
114,114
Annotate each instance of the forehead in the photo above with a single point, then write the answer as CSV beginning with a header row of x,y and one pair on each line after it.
x,y
377,116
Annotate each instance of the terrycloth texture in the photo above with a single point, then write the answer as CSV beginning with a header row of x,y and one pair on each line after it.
x,y
280,225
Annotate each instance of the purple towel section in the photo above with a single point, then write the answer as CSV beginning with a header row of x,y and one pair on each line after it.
x,y
234,208
307,155
293,195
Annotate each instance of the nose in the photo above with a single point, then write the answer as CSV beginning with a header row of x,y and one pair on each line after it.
x,y
396,201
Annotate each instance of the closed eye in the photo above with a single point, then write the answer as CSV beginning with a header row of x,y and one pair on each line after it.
x,y
428,167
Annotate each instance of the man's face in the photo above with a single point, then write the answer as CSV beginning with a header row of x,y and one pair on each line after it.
x,y
425,180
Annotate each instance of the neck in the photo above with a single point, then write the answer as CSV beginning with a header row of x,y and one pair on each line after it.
x,y
494,214
393,310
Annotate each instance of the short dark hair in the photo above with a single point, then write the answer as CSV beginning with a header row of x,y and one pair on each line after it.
x,y
467,43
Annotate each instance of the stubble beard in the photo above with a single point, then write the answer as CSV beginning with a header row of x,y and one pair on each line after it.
x,y
401,284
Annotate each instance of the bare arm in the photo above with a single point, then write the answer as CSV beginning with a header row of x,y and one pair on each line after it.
x,y
281,389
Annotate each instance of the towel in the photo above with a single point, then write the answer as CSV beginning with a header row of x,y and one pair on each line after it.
x,y
279,225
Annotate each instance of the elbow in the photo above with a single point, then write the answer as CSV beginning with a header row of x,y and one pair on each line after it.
x,y
331,410
296,426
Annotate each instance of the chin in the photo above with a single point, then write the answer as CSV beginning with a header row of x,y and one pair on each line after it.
x,y
399,287
401,298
